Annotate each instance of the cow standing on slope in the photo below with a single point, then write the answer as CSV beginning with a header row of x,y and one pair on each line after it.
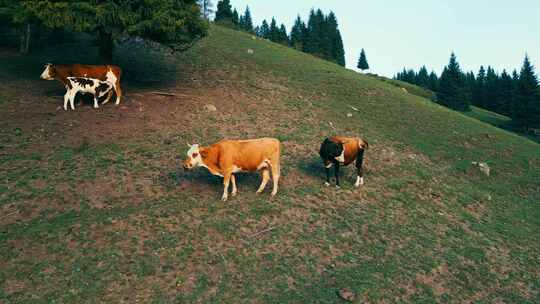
x,y
232,156
110,73
85,85
340,150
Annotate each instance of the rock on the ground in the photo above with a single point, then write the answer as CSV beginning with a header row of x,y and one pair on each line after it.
x,y
404,90
250,51
483,167
347,294
210,108
349,114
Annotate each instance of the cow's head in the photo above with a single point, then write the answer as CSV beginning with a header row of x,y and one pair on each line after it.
x,y
194,157
49,72
331,150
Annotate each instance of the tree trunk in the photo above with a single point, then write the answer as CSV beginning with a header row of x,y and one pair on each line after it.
x,y
106,45
25,39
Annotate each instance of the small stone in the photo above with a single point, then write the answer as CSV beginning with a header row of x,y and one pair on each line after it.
x,y
347,294
483,167
349,114
404,90
250,51
210,108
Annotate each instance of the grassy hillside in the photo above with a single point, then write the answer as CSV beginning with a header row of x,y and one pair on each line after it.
x,y
94,207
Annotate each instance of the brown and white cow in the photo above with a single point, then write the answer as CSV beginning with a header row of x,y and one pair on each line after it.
x,y
110,73
341,150
232,156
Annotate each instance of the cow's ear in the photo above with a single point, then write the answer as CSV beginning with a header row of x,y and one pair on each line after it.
x,y
204,152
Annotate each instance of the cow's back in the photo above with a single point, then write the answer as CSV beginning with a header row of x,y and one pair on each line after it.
x,y
250,154
84,70
351,146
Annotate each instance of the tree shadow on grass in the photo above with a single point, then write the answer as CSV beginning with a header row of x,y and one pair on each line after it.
x,y
143,67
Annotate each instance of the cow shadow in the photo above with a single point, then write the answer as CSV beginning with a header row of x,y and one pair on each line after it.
x,y
314,167
200,178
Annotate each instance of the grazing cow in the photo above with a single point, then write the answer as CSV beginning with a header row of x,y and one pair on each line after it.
x,y
232,156
110,73
340,150
85,85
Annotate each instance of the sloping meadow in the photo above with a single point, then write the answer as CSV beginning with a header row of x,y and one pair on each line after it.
x,y
95,207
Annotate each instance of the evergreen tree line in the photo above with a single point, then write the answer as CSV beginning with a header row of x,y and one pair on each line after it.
x,y
516,95
175,23
320,36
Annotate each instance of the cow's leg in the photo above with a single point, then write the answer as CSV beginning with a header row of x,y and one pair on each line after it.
x,y
118,90
336,170
96,105
265,178
359,169
226,181
72,100
234,189
275,177
109,95
327,169
66,100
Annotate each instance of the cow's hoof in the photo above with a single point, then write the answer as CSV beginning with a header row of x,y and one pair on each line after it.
x,y
65,108
224,198
327,184
274,193
234,193
338,187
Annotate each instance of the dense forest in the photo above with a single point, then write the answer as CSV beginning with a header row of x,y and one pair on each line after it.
x,y
516,94
320,36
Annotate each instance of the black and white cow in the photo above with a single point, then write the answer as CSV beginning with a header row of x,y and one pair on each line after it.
x,y
85,85
341,150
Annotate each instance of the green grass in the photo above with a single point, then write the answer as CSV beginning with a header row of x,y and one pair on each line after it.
x,y
489,117
113,219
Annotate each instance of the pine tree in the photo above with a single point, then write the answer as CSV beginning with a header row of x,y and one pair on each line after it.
x,y
315,32
470,85
515,77
265,30
339,50
224,11
526,104
235,17
247,21
332,43
173,23
491,90
362,61
506,92
433,83
298,34
479,92
422,78
274,31
329,29
451,91
283,38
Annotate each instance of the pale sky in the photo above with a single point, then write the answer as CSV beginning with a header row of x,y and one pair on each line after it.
x,y
397,33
